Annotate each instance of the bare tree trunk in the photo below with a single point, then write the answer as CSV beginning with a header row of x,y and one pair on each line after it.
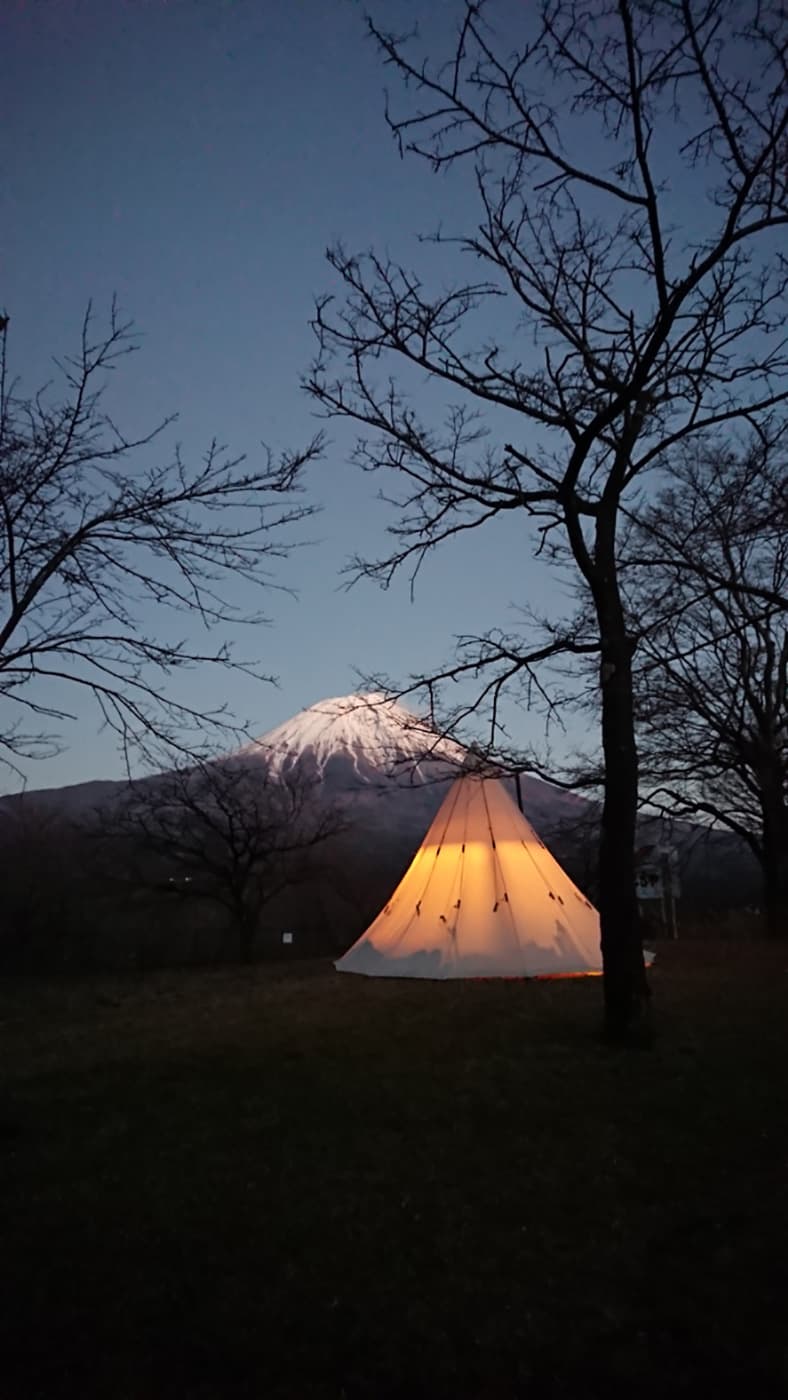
x,y
625,985
774,858
246,924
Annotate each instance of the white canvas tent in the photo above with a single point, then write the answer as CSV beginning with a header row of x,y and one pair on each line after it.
x,y
482,897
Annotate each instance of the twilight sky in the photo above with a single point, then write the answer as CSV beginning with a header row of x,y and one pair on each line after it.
x,y
196,156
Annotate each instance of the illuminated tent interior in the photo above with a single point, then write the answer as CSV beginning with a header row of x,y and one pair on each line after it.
x,y
482,897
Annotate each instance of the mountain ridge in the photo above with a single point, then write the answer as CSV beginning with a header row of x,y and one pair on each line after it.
x,y
387,770
363,747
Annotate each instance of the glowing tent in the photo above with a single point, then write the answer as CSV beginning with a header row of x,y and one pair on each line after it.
x,y
482,897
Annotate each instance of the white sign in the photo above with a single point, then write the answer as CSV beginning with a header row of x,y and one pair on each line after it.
x,y
649,882
659,875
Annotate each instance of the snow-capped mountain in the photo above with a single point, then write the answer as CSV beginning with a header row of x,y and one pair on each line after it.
x,y
377,756
354,740
366,751
387,771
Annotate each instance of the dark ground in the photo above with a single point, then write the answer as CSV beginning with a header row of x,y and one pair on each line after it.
x,y
287,1183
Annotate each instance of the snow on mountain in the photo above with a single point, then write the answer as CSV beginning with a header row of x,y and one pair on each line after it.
x,y
389,771
374,755
366,751
361,738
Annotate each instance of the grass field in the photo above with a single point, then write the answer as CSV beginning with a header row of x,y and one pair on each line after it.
x,y
286,1183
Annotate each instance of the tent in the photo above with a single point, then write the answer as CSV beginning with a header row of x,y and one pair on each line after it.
x,y
482,897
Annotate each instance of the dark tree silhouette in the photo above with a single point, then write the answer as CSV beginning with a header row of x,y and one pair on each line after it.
x,y
222,832
711,556
581,133
39,911
93,538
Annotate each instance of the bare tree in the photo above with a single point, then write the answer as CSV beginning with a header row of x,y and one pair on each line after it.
x,y
711,560
222,832
630,334
97,537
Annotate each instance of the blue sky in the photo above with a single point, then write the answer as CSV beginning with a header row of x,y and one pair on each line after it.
x,y
196,157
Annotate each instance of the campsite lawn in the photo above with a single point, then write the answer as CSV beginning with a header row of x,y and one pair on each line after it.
x,y
286,1183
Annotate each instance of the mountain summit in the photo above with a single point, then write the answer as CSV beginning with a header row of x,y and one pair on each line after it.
x,y
365,750
387,762
356,740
